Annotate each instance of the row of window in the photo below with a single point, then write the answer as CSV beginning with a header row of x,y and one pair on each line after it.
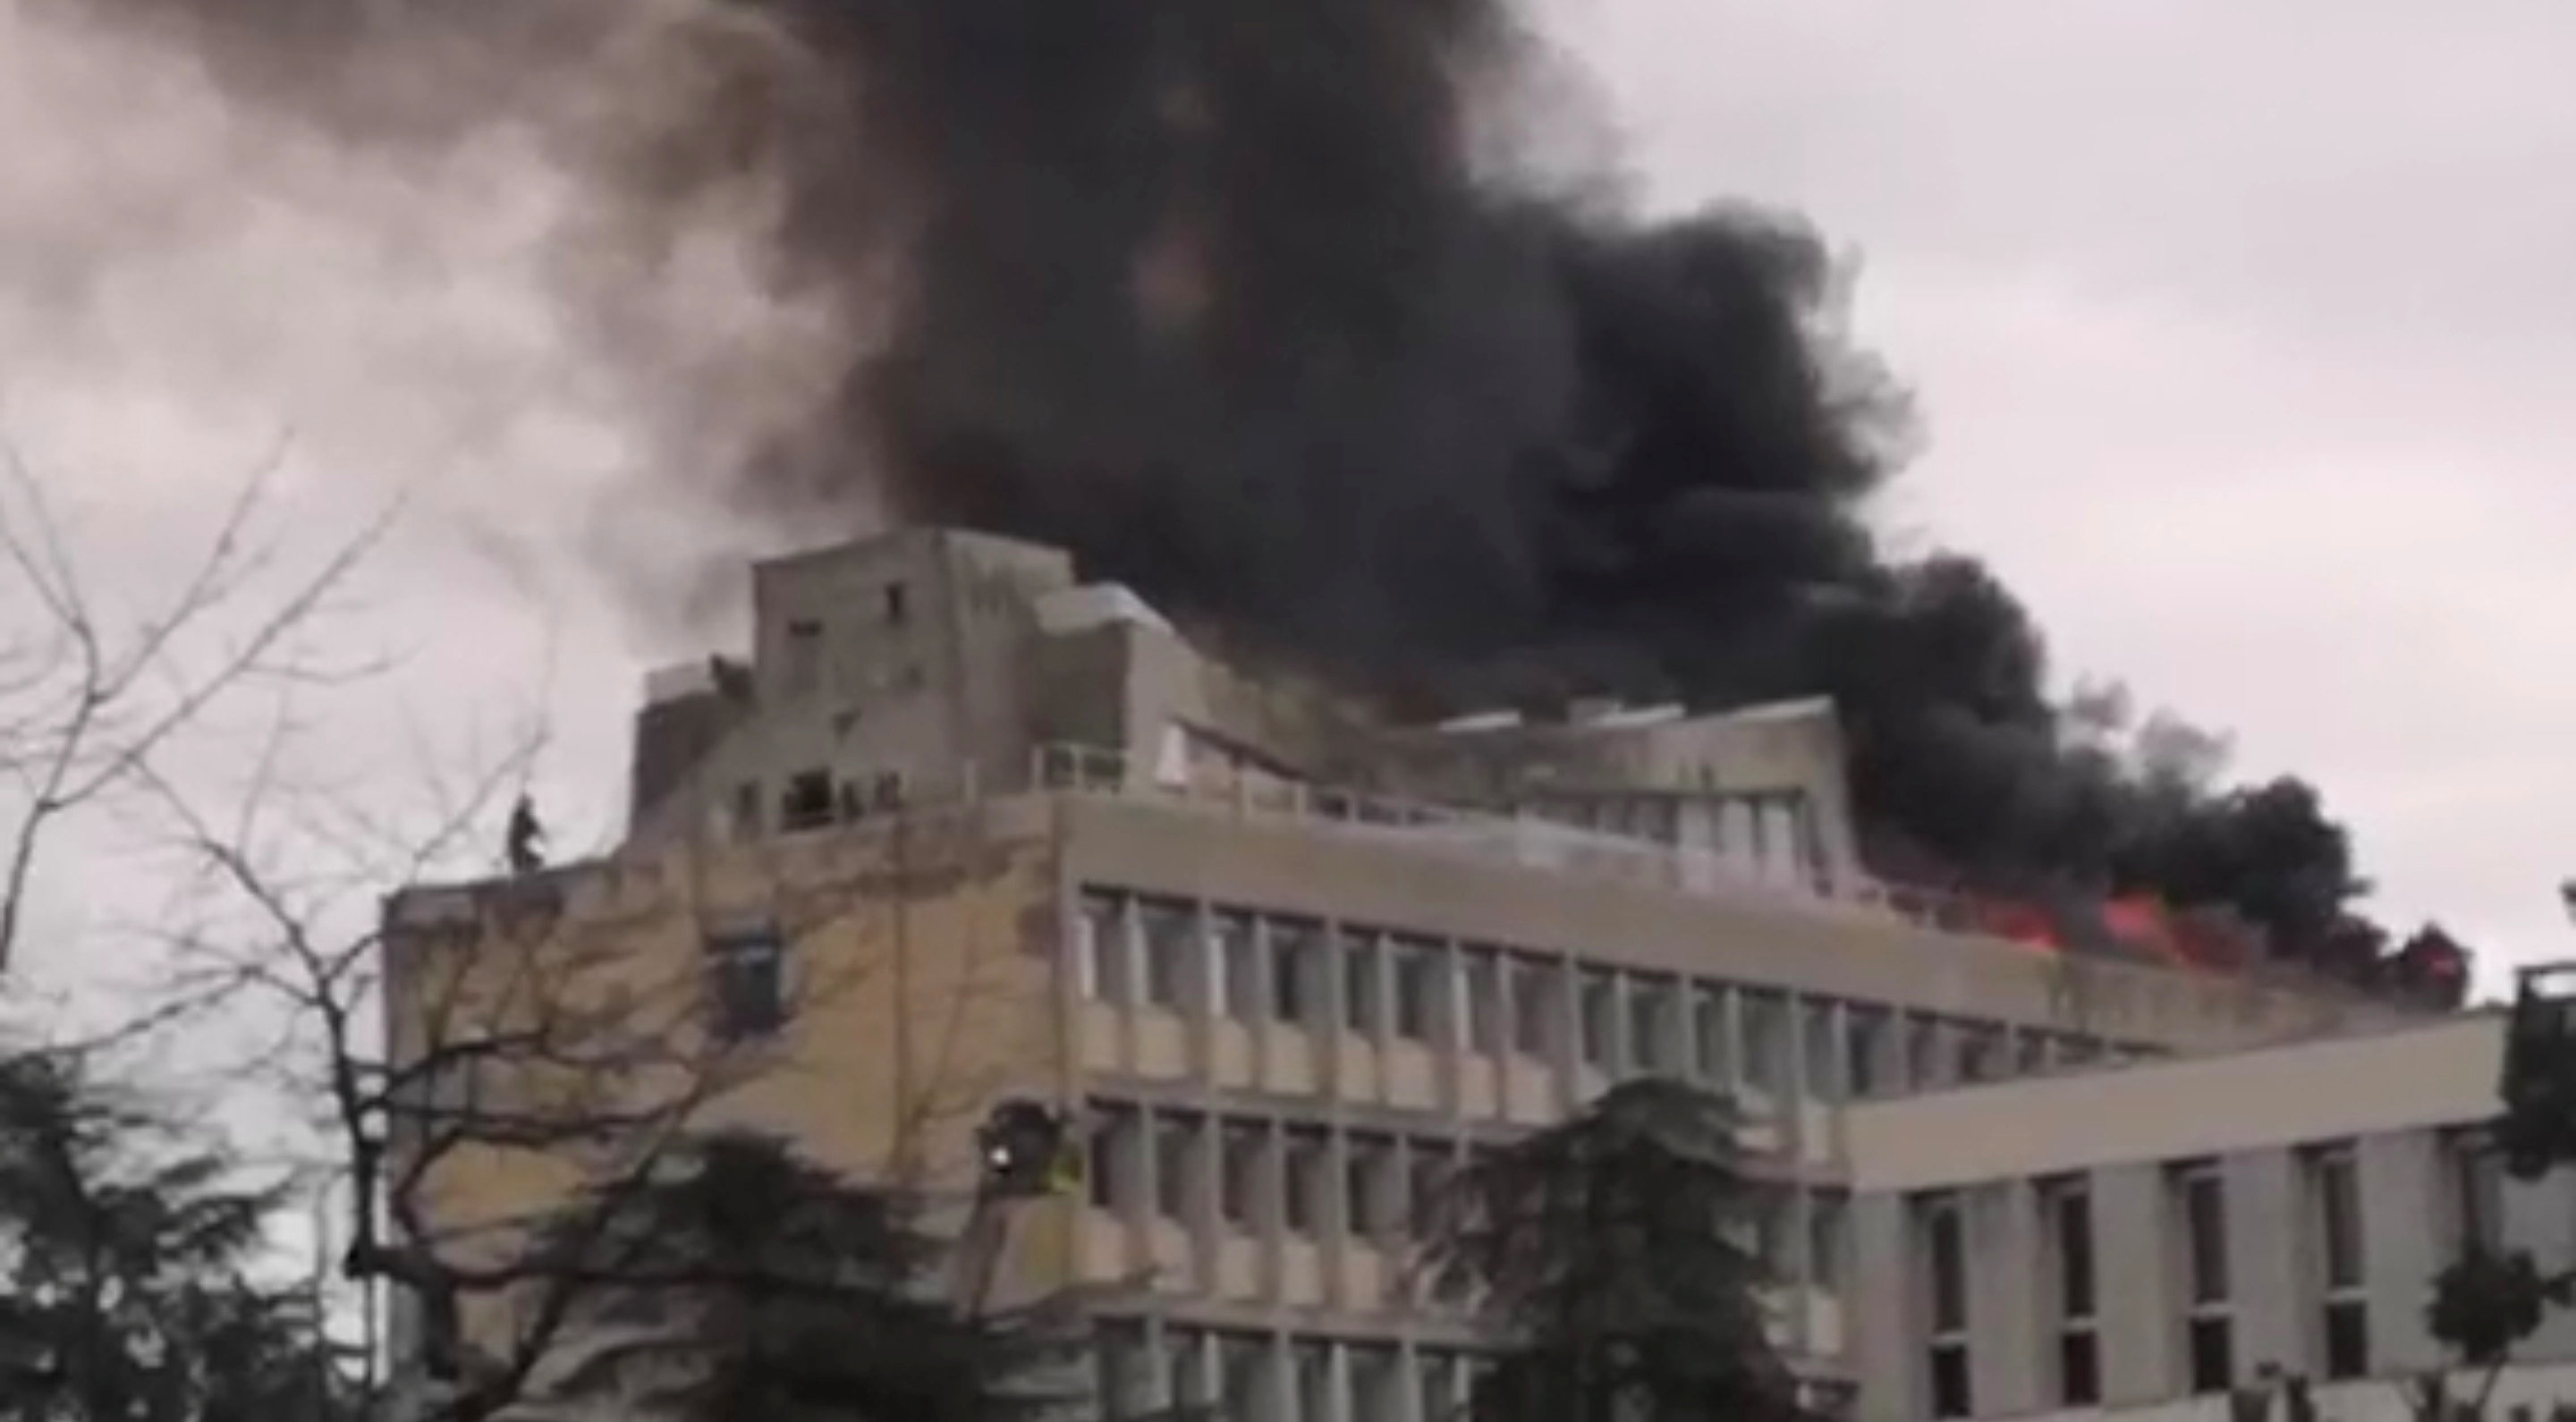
x,y
1248,966
2331,1247
1261,1379
1259,1175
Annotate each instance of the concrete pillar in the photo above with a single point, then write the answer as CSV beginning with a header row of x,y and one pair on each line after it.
x,y
1882,1322
2141,1329
2267,1229
2004,1278
2401,1195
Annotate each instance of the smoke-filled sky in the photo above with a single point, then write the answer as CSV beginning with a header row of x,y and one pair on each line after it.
x,y
2232,336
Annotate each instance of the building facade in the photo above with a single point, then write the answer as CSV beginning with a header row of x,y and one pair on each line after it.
x,y
965,829
2140,1241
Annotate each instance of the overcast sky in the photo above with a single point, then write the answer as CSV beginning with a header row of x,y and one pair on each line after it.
x,y
2242,336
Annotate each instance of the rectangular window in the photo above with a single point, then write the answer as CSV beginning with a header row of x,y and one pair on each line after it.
x,y
1312,1366
1941,1231
1949,1370
1126,1376
806,803
1923,1054
1360,991
2477,1193
747,983
1979,1057
1651,1028
2209,1325
1169,931
2211,1339
1244,1145
1828,1232
1415,968
1945,1262
1101,950
1535,986
2079,1368
2347,1338
896,604
1294,961
1365,1163
1765,1023
1823,1054
1110,1159
1426,1174
1236,960
2066,1208
1711,1040
1592,1022
1438,1378
1175,1165
1243,1375
1301,1184
2334,1193
2030,1053
1184,1353
1377,1394
1864,1038
1481,988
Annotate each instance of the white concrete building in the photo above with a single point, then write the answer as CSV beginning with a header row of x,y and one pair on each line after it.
x,y
2135,1241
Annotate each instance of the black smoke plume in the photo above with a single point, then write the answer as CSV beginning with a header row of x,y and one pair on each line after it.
x,y
1244,302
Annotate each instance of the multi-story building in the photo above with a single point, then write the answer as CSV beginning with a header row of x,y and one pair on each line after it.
x,y
2135,1243
964,828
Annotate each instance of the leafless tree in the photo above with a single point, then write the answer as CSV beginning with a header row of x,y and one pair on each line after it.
x,y
91,692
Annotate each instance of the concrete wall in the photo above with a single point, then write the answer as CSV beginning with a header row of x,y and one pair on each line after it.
x,y
920,986
2376,1081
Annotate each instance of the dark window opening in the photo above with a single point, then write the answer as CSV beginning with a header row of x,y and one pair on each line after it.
x,y
1415,990
1532,1005
2073,1211
746,810
1950,1380
2347,1339
1862,1033
2213,1354
2079,1369
1360,987
807,802
1292,974
1238,1168
746,979
2205,1220
1173,1157
1947,1257
1593,1022
896,604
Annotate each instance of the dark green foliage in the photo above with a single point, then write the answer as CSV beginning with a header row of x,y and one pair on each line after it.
x,y
2486,1303
1603,1249
749,1283
126,1293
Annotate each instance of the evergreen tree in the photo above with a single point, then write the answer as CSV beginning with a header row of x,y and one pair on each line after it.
x,y
126,1287
749,1283
1605,1250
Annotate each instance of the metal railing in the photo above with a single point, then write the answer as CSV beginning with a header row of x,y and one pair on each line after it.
x,y
1524,842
